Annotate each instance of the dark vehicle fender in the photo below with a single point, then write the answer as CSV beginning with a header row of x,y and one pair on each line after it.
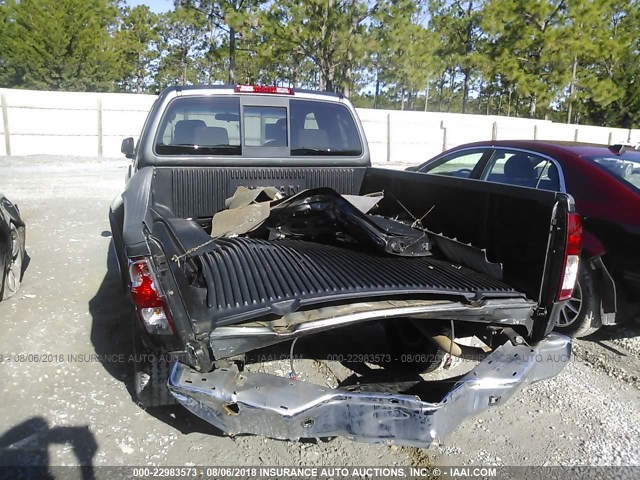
x,y
116,219
592,251
5,248
128,217
591,245
9,214
136,199
13,211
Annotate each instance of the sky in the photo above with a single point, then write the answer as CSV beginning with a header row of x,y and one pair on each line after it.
x,y
157,6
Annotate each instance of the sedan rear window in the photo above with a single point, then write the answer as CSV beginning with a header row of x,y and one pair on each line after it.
x,y
626,167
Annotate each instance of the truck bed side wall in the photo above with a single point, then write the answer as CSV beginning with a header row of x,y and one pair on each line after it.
x,y
167,193
513,224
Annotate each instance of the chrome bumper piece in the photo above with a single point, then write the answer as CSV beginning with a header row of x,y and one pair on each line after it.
x,y
257,403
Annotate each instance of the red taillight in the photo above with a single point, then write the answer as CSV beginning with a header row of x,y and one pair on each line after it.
x,y
574,234
149,302
571,256
143,290
263,89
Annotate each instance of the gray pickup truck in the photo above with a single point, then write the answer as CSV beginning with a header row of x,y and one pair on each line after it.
x,y
252,217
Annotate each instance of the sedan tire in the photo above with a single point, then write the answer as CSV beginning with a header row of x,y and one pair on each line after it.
x,y
580,315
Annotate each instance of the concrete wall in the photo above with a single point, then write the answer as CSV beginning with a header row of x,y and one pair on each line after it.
x,y
94,124
69,123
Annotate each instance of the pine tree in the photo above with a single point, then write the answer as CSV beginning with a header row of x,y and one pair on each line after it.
x,y
182,48
329,33
528,40
58,45
136,42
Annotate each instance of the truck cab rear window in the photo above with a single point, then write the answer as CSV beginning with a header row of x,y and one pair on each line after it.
x,y
200,126
322,128
265,126
212,126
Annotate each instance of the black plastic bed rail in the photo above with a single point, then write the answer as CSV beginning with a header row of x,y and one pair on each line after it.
x,y
247,278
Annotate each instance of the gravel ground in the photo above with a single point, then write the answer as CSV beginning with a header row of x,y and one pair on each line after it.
x,y
70,408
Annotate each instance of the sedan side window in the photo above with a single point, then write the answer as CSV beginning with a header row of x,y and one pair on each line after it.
x,y
457,164
523,169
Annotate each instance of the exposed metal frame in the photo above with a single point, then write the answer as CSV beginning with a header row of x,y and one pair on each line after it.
x,y
278,407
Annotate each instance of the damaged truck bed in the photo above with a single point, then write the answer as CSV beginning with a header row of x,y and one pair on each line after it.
x,y
303,246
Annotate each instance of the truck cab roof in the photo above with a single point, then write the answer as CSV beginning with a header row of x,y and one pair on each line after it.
x,y
231,89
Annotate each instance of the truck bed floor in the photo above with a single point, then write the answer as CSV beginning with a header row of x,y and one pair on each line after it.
x,y
248,277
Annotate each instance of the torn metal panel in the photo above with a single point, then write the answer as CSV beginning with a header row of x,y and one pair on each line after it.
x,y
364,203
277,407
467,255
317,214
240,220
323,213
246,210
233,340
244,196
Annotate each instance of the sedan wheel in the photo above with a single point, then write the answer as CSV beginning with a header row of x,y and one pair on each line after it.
x,y
580,315
13,269
571,309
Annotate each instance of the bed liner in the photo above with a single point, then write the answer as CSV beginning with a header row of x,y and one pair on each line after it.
x,y
246,278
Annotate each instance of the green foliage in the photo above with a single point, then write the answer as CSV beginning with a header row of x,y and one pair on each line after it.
x,y
58,44
229,29
527,39
573,60
327,33
457,24
607,89
136,41
183,46
402,59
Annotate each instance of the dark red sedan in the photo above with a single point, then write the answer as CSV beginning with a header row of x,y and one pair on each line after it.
x,y
605,183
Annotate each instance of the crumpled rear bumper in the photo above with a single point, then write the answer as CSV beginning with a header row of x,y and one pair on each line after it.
x,y
257,403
